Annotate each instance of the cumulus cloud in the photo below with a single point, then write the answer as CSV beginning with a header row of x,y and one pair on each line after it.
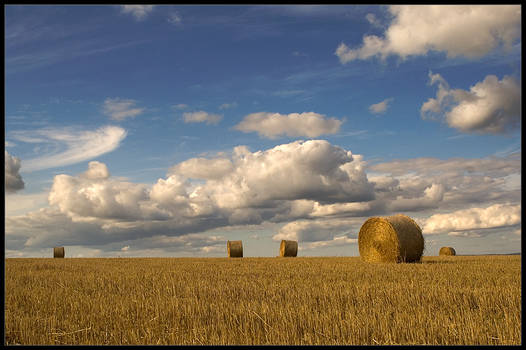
x,y
20,203
13,179
76,145
203,168
320,192
427,183
201,116
273,125
93,194
199,194
120,109
319,230
491,106
495,216
312,169
459,30
140,12
380,107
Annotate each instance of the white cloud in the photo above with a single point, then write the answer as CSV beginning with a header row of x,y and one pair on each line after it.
x,y
94,195
13,179
18,203
495,216
371,18
334,242
175,18
319,230
313,170
125,249
140,12
380,107
431,183
180,106
203,168
247,188
228,105
120,109
273,125
490,106
459,30
80,145
320,192
201,116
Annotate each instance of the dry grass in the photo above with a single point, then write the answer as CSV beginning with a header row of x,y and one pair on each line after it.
x,y
443,300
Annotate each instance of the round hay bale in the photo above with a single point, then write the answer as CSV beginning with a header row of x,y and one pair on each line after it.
x,y
58,252
394,238
447,251
235,249
288,248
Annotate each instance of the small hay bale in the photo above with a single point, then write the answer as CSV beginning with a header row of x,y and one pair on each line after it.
x,y
288,248
394,238
235,249
58,252
447,251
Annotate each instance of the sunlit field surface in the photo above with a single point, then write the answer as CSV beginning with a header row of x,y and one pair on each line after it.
x,y
303,300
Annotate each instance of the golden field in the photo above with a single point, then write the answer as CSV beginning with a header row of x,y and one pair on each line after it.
x,y
303,300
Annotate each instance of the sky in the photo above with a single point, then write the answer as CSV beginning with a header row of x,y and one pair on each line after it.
x,y
166,130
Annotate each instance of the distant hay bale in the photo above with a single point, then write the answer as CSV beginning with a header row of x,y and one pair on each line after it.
x,y
235,249
288,248
447,251
58,252
394,238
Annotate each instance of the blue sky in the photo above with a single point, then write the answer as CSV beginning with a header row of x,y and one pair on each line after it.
x,y
167,130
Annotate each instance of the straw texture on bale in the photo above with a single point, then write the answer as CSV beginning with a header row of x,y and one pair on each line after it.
x,y
394,238
235,249
288,248
447,251
58,252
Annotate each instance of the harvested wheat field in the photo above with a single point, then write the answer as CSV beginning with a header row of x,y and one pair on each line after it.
x,y
325,300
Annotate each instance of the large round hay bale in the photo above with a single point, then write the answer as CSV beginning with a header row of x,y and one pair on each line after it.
x,y
235,249
394,238
58,252
288,248
447,251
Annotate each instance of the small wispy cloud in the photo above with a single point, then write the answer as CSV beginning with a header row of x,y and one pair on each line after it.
x,y
140,12
288,93
299,54
31,60
175,18
380,107
120,109
180,106
228,105
201,117
371,18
